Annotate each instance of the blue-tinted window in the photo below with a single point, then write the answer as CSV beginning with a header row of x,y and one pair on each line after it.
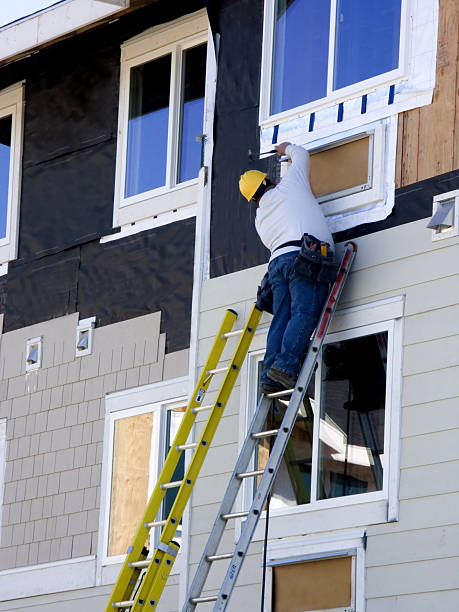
x,y
300,62
367,39
148,126
5,150
192,112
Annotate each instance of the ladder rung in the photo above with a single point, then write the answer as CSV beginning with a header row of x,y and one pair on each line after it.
x,y
123,604
265,434
218,370
181,447
250,474
197,409
236,332
219,557
197,600
281,393
171,485
234,515
144,563
155,524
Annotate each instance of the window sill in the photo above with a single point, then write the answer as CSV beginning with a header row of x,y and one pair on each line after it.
x,y
155,202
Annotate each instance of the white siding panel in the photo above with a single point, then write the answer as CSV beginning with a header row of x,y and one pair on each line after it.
x,y
433,355
410,546
431,386
429,480
430,416
432,325
239,286
430,448
441,601
398,579
438,293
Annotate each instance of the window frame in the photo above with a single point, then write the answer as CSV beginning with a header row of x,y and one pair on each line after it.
x,y
174,38
333,97
298,550
157,398
12,103
353,510
2,467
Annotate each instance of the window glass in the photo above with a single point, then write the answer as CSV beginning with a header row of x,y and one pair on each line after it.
x,y
300,63
174,418
367,39
5,151
192,112
351,429
148,126
130,472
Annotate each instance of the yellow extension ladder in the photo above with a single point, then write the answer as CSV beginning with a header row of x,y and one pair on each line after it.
x,y
142,578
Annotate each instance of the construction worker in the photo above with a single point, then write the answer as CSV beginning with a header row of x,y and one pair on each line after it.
x,y
284,213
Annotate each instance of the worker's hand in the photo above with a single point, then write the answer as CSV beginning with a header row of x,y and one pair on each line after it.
x,y
280,148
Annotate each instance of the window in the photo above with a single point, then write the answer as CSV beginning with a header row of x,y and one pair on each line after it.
x,y
161,116
320,574
344,446
318,50
138,441
11,111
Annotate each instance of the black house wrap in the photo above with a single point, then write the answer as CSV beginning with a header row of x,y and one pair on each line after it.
x,y
69,155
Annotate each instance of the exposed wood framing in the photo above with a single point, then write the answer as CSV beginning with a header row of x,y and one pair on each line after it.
x,y
427,137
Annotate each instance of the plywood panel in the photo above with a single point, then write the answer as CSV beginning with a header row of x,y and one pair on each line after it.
x,y
314,585
429,135
131,459
340,167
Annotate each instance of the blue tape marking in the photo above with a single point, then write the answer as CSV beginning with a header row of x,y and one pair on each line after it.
x,y
363,109
312,118
391,94
340,111
275,133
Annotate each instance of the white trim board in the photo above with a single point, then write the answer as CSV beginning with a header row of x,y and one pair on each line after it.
x,y
47,578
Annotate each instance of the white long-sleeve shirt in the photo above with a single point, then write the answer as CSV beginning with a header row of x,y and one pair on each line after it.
x,y
290,209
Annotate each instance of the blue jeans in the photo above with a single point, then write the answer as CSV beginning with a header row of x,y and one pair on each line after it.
x,y
297,306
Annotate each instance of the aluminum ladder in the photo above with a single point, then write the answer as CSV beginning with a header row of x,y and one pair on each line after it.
x,y
268,474
142,578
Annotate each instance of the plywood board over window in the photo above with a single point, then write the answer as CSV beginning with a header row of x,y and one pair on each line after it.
x,y
324,584
341,169
131,464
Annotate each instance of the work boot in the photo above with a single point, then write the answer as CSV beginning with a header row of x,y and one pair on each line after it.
x,y
270,386
284,379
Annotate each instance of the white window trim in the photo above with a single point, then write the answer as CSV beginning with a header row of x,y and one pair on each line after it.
x,y
175,37
2,467
149,398
12,103
351,543
354,510
438,199
333,97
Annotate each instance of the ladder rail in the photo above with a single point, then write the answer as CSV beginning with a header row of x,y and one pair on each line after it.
x,y
243,460
129,574
283,436
159,569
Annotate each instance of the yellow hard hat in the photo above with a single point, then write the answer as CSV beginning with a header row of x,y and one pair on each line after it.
x,y
249,183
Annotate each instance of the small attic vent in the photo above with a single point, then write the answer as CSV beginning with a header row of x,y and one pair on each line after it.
x,y
84,336
445,218
33,354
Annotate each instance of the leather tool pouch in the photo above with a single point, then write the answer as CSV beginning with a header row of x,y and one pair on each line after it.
x,y
312,265
265,295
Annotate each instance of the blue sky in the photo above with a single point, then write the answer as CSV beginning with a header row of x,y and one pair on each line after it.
x,y
10,11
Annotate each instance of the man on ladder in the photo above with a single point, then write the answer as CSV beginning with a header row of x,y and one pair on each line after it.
x,y
285,213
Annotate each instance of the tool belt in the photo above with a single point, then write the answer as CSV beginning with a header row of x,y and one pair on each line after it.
x,y
312,264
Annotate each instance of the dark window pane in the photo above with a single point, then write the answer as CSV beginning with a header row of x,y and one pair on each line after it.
x,y
148,126
5,149
174,418
367,39
351,430
300,62
292,484
192,112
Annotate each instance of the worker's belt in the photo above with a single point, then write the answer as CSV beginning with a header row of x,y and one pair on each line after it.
x,y
296,243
